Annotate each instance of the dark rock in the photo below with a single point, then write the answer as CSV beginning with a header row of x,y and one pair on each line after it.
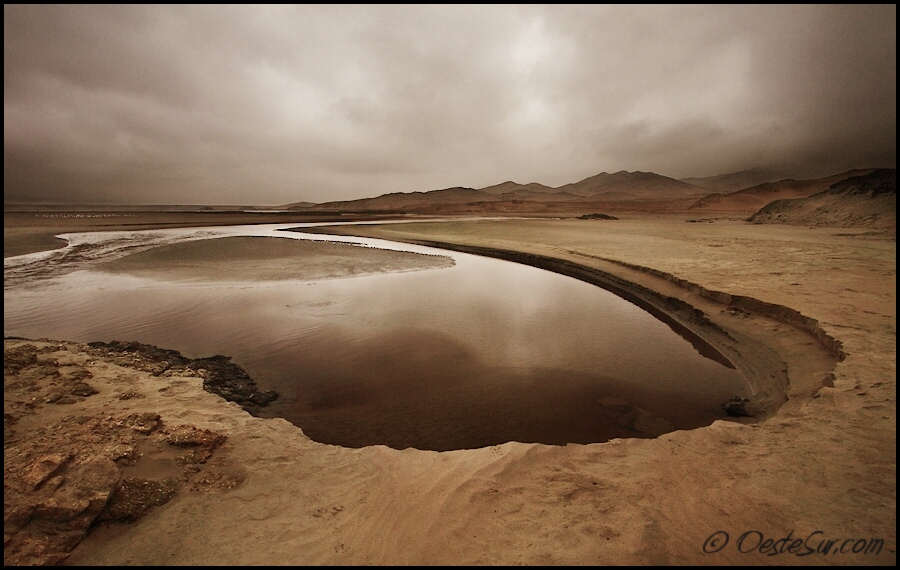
x,y
737,407
597,217
220,376
264,398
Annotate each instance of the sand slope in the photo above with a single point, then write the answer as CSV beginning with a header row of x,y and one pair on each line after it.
x,y
868,201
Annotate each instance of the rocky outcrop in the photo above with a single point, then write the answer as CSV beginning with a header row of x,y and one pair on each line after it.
x,y
597,217
64,473
220,376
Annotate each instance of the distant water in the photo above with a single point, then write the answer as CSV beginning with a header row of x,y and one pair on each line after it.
x,y
478,354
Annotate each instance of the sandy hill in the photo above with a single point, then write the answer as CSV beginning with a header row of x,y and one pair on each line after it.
x,y
524,194
297,206
860,201
509,186
749,200
620,191
600,190
412,201
734,181
624,185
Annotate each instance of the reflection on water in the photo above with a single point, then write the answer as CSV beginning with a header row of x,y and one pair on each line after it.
x,y
477,354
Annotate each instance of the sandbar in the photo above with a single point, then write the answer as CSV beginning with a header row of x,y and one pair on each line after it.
x,y
267,259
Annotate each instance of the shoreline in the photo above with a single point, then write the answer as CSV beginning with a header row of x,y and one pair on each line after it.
x,y
710,337
822,466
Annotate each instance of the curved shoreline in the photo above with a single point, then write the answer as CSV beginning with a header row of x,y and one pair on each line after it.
x,y
824,468
764,371
766,375
774,311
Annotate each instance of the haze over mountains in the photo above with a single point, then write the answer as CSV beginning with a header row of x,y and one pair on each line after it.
x,y
734,181
619,191
819,202
621,186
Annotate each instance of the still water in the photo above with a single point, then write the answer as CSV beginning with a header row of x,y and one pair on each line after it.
x,y
477,354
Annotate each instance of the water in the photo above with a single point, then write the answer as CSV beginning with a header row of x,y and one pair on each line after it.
x,y
481,353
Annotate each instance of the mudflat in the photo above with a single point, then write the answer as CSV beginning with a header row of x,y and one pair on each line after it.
x,y
32,231
813,481
267,258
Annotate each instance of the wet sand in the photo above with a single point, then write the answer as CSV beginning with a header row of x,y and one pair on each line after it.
x,y
32,231
267,259
820,469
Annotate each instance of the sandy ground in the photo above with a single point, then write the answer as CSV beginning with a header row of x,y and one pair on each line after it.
x,y
814,482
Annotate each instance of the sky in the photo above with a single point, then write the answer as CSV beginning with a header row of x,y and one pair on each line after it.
x,y
269,105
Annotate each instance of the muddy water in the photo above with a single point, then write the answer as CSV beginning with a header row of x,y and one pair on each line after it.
x,y
481,353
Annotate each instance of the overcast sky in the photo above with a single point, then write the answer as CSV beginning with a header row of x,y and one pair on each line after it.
x,y
276,104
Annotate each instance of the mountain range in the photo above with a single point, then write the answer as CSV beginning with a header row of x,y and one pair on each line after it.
x,y
617,192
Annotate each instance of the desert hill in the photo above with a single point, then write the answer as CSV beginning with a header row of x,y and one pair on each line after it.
x,y
586,195
749,200
509,186
297,206
411,201
618,192
734,181
867,201
631,185
540,196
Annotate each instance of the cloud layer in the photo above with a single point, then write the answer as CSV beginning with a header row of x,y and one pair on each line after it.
x,y
278,104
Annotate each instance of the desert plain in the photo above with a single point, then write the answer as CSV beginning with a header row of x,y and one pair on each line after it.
x,y
110,459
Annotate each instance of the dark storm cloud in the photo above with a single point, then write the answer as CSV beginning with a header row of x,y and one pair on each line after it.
x,y
269,105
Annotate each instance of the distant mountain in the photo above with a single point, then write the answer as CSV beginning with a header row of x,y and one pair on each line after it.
x,y
533,197
620,191
624,185
507,187
411,201
540,196
860,201
726,183
297,206
749,200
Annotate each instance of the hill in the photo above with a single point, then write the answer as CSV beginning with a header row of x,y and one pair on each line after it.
x,y
868,201
411,201
621,191
749,200
508,187
623,188
734,181
625,185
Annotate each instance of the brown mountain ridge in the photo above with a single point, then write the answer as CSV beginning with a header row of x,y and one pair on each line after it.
x,y
604,187
749,200
617,192
867,201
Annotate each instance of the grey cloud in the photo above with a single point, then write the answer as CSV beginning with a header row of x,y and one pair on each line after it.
x,y
269,105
